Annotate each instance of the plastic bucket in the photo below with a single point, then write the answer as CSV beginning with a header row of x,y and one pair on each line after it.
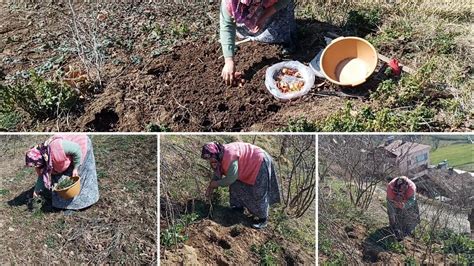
x,y
71,191
348,61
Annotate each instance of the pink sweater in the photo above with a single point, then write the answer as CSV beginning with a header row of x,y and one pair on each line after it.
x,y
408,194
60,160
250,158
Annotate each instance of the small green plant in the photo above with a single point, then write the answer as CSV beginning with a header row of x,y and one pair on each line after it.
x,y
64,182
444,42
101,174
300,125
410,261
9,120
179,30
395,246
337,258
38,97
132,185
457,244
51,242
362,22
4,191
152,127
267,252
175,234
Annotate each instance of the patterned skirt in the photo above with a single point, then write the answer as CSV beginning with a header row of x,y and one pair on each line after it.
x,y
403,221
89,187
259,197
280,28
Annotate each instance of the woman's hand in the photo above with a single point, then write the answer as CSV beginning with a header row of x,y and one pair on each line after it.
x,y
75,172
35,194
228,71
210,188
209,191
263,19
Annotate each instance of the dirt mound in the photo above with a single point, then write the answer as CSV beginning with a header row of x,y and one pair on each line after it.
x,y
178,87
210,243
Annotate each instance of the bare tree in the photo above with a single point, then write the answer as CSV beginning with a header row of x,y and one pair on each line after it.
x,y
361,161
297,173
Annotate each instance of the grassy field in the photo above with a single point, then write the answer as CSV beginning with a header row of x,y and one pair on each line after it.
x,y
460,156
431,37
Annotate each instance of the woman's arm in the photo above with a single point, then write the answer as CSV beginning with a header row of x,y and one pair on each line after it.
x,y
39,186
74,150
227,32
232,175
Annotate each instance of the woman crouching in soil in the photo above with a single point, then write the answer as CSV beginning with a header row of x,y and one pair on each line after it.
x,y
250,174
69,155
403,212
269,21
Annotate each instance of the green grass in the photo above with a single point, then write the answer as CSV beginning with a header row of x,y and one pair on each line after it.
x,y
9,121
267,252
40,97
4,191
432,39
460,156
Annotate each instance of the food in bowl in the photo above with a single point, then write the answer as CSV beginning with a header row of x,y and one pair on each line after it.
x,y
289,80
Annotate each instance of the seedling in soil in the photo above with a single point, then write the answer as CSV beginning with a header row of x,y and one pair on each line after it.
x,y
64,182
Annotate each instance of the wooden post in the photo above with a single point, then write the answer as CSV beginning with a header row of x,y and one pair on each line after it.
x,y
470,217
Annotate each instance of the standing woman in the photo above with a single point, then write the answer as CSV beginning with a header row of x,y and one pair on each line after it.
x,y
269,21
403,212
70,155
249,173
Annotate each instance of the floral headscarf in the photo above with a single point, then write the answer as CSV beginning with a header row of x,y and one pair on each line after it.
x,y
247,12
214,150
40,156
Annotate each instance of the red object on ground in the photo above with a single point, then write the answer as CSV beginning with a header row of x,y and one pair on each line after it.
x,y
395,66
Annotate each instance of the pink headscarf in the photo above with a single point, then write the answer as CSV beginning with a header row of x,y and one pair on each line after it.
x,y
39,156
214,150
247,12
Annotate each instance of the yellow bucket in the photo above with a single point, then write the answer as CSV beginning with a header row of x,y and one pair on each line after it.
x,y
348,61
71,191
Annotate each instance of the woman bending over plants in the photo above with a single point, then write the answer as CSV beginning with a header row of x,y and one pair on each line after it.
x,y
58,159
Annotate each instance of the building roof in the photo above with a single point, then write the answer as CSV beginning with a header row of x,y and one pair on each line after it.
x,y
400,147
458,186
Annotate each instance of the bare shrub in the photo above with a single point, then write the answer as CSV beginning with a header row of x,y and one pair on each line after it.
x,y
297,173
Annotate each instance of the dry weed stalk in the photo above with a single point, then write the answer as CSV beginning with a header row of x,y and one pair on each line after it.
x,y
85,34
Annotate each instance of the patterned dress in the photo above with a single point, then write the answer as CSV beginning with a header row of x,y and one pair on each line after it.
x,y
259,197
403,220
89,187
280,28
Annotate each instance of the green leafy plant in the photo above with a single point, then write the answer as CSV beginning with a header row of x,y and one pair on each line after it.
x,y
175,234
410,261
300,125
267,252
64,182
152,127
38,97
4,191
362,22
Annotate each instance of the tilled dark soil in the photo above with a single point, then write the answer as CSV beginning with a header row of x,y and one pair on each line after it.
x,y
179,88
